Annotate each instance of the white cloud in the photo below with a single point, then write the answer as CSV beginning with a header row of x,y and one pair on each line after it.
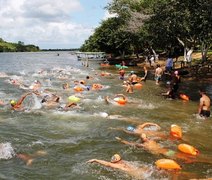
x,y
46,23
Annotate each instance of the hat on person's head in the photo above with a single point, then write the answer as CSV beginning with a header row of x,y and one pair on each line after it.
x,y
13,102
115,158
132,72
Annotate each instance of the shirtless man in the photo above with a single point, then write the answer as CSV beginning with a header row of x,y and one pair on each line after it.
x,y
117,163
158,74
204,105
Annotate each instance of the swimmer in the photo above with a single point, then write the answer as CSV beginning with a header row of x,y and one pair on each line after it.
x,y
118,99
2,103
154,148
204,105
50,101
140,129
17,105
29,158
125,166
7,152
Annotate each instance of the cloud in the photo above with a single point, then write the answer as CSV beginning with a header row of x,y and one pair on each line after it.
x,y
46,23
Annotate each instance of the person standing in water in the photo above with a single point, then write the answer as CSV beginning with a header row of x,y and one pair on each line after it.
x,y
158,74
204,105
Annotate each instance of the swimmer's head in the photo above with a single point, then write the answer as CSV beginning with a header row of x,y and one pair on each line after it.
x,y
82,82
143,136
13,102
176,72
130,128
115,158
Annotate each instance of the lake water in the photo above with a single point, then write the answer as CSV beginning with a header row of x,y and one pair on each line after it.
x,y
71,138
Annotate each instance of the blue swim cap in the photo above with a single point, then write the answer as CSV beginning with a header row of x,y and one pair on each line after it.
x,y
130,128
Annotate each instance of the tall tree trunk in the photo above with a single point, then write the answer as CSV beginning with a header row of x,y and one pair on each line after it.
x,y
204,51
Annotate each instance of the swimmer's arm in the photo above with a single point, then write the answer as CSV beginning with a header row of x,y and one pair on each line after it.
x,y
149,124
102,162
22,98
129,143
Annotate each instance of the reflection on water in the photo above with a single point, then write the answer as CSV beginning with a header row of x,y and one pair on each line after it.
x,y
72,137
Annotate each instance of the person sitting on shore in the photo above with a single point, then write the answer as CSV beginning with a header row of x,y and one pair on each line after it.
x,y
17,105
125,166
204,105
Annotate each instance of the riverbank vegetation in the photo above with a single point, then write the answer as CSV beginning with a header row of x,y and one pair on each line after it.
x,y
16,47
149,27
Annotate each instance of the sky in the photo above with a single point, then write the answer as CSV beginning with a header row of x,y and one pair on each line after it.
x,y
51,24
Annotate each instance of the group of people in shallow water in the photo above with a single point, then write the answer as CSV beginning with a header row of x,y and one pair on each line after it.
x,y
147,137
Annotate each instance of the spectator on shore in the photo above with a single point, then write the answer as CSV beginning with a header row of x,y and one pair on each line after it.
x,y
169,64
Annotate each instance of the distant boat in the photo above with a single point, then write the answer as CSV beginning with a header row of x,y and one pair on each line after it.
x,y
91,56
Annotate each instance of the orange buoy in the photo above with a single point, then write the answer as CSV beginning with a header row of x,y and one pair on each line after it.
x,y
188,149
78,88
138,86
176,131
167,164
184,97
120,101
105,65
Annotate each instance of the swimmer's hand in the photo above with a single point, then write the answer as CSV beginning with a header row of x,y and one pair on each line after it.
x,y
91,161
118,138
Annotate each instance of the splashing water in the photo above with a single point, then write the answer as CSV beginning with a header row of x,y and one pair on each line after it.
x,y
6,151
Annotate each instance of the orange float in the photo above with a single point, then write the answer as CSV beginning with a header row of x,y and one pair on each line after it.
x,y
176,131
188,149
167,164
184,97
120,101
138,86
104,65
78,88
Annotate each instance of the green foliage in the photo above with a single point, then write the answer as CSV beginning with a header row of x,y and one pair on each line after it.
x,y
161,24
110,38
16,47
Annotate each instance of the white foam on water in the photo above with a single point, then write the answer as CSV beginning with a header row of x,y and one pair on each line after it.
x,y
6,151
101,114
37,104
